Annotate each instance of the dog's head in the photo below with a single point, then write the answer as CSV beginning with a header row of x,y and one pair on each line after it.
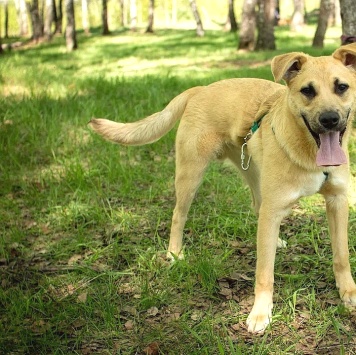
x,y
321,96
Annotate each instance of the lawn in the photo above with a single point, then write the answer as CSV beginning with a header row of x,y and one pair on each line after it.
x,y
85,224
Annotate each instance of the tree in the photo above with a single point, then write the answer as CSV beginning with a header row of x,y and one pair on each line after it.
x,y
265,25
49,17
6,15
194,7
122,13
348,18
22,20
231,19
151,11
36,21
58,16
133,15
85,16
104,16
71,37
324,15
297,21
248,25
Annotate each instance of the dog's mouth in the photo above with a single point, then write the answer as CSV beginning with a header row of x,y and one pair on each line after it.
x,y
329,143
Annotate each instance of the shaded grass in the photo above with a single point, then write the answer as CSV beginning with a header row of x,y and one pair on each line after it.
x,y
85,224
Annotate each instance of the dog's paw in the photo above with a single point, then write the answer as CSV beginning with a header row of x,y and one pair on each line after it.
x,y
281,243
172,257
258,320
349,297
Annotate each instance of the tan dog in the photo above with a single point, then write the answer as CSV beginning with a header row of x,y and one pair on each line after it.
x,y
299,149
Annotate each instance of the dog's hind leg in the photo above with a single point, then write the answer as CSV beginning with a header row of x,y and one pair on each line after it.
x,y
194,150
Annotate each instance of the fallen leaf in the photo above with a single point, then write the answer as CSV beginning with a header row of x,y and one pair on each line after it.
x,y
153,311
129,325
82,297
152,349
74,258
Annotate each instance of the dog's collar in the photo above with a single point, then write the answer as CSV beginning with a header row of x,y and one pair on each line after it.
x,y
256,124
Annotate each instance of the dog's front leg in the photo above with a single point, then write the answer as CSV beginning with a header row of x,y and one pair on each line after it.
x,y
267,239
337,213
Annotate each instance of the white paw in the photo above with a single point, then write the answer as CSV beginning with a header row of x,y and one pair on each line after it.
x,y
172,257
281,243
349,297
258,319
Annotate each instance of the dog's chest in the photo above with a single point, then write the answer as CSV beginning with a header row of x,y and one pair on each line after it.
x,y
313,183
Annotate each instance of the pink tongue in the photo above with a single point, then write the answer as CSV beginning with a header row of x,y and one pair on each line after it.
x,y
330,152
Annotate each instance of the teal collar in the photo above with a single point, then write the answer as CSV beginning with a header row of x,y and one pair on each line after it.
x,y
256,124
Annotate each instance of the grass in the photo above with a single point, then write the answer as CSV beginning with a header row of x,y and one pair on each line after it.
x,y
85,224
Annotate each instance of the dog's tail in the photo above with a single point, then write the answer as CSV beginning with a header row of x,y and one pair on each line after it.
x,y
147,130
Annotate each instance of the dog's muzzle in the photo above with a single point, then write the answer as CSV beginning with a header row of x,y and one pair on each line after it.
x,y
328,138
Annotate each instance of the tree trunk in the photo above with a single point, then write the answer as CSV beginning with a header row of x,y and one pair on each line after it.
x,y
6,8
133,15
71,37
324,15
22,19
104,17
85,16
335,15
265,25
58,16
231,23
49,17
297,21
122,13
37,29
200,29
151,12
348,18
248,26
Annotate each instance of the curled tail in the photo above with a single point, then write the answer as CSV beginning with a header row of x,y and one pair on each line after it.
x,y
147,130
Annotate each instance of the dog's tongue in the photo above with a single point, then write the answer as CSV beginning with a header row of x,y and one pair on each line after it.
x,y
330,152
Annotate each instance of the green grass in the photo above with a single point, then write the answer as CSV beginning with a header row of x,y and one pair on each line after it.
x,y
85,224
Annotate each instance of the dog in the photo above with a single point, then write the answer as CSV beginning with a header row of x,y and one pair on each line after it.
x,y
288,141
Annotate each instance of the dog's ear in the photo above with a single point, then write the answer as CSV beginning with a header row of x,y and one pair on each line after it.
x,y
287,66
347,55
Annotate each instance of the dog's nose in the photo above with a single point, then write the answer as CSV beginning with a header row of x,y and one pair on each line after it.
x,y
329,119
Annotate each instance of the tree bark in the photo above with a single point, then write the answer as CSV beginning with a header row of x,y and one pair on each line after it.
x,y
122,13
231,19
58,16
104,16
297,21
335,13
348,18
22,20
248,26
324,15
200,29
85,16
265,25
36,22
6,8
133,15
151,13
49,17
71,37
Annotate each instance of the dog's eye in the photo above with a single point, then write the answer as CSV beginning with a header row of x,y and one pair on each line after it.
x,y
341,88
308,91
